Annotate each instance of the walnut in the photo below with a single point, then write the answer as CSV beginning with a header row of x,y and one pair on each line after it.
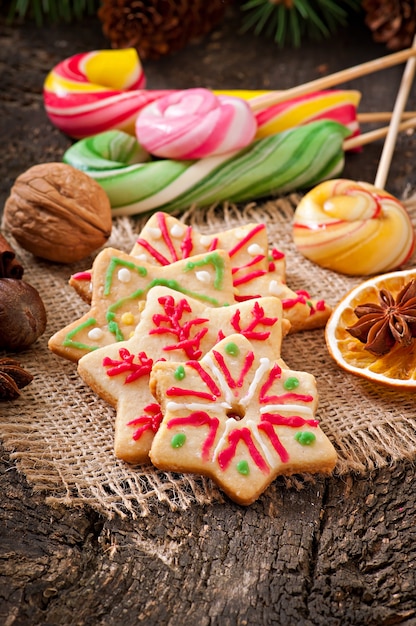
x,y
58,213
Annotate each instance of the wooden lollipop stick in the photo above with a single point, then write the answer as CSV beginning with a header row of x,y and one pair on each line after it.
x,y
382,116
399,106
378,133
266,100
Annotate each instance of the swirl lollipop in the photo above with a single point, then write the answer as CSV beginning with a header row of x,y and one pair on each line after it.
x,y
92,92
353,228
194,123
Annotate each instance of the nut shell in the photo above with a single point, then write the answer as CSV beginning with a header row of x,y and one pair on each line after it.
x,y
22,314
58,213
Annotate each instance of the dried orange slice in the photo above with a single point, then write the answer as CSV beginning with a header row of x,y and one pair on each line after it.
x,y
395,369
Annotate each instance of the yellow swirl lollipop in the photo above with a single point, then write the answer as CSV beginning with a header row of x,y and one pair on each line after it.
x,y
353,228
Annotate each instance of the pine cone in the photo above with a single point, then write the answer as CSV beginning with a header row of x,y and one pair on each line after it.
x,y
392,22
158,27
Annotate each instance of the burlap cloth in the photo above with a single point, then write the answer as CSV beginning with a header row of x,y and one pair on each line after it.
x,y
60,434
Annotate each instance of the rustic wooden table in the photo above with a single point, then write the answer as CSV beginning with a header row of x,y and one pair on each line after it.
x,y
337,552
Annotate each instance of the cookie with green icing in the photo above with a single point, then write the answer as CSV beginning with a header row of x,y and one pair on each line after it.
x,y
172,327
120,284
238,417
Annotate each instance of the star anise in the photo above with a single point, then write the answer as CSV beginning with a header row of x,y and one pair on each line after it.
x,y
13,377
381,326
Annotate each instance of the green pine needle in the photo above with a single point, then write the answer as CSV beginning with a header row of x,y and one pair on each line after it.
x,y
51,10
312,19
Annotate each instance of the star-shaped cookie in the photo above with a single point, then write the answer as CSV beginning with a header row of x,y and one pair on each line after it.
x,y
239,417
164,239
257,271
172,327
120,286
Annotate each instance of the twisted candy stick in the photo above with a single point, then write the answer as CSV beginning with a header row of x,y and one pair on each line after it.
x,y
295,159
353,228
102,90
194,123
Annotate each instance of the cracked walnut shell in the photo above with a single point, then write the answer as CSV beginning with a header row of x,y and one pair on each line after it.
x,y
58,213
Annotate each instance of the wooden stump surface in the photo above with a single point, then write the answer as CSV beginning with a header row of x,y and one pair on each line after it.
x,y
337,552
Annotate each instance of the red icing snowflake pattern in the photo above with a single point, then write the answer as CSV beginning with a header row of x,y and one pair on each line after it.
x,y
228,395
170,323
149,421
126,363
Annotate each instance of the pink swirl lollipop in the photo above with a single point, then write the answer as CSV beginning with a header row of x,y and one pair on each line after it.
x,y
195,123
102,90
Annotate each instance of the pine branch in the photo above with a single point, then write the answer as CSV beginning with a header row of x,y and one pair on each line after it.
x,y
290,21
51,10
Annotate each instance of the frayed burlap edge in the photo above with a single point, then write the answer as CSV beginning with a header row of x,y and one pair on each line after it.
x,y
60,434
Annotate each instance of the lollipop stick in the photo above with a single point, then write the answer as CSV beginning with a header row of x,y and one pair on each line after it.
x,y
267,100
401,99
378,133
382,116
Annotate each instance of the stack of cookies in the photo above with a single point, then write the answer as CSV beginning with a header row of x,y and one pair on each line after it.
x,y
183,337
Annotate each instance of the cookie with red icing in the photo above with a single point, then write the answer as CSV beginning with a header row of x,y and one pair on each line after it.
x,y
238,417
120,284
164,239
172,327
257,270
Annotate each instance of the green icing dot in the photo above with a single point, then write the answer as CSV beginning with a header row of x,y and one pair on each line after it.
x,y
291,383
243,468
179,373
305,438
178,440
232,348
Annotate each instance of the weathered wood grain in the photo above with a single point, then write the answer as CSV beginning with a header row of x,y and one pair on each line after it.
x,y
337,552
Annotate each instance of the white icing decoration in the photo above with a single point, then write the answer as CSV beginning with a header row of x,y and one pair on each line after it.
x,y
124,275
177,230
254,431
275,288
141,257
240,233
203,276
156,233
293,409
254,249
220,378
204,240
95,334
258,375
228,426
194,406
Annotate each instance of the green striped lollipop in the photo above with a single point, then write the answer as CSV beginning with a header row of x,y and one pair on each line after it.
x,y
296,159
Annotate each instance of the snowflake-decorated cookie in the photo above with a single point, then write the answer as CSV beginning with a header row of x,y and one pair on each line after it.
x,y
240,418
172,327
120,286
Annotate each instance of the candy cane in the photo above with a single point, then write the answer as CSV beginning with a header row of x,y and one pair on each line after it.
x,y
296,159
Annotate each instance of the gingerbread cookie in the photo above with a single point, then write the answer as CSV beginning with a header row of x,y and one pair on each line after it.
x,y
120,286
238,417
172,327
